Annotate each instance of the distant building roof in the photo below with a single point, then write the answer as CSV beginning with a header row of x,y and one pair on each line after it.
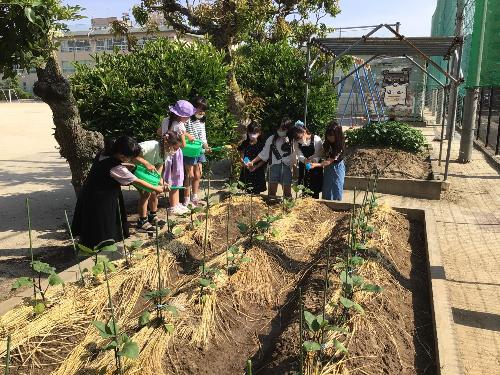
x,y
107,31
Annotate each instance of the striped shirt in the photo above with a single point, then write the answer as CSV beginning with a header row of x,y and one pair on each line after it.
x,y
197,129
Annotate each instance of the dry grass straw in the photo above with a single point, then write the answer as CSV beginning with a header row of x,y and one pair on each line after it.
x,y
376,322
302,231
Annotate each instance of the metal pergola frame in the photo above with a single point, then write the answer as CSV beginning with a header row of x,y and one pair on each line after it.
x,y
450,48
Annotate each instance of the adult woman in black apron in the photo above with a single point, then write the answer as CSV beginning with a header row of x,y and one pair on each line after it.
x,y
310,147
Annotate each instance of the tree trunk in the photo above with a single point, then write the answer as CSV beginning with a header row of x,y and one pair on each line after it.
x,y
77,145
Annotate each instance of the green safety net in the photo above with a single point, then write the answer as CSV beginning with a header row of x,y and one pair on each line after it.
x,y
486,63
484,68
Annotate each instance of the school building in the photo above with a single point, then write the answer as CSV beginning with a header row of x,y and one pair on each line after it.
x,y
80,46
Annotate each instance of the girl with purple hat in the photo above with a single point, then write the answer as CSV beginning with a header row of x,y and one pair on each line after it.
x,y
179,114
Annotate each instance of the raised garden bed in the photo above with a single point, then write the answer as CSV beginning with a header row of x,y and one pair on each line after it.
x,y
400,172
254,312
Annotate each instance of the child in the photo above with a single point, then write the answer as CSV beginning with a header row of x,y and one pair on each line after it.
x,y
280,153
174,167
310,147
249,149
193,166
153,155
333,163
96,219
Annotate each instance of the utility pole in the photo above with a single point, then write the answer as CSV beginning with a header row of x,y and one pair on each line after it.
x,y
456,60
471,98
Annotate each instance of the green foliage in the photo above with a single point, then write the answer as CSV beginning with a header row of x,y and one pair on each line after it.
x,y
315,325
130,94
274,73
236,258
398,135
27,32
120,342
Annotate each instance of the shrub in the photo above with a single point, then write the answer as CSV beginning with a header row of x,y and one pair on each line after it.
x,y
274,73
394,134
129,94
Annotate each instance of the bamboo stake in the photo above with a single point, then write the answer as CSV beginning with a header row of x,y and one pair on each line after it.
x,y
74,247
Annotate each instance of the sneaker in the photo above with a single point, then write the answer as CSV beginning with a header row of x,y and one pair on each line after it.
x,y
178,210
145,227
197,201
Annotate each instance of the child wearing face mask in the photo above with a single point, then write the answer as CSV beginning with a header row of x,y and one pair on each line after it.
x,y
309,151
255,177
176,122
193,165
333,163
280,153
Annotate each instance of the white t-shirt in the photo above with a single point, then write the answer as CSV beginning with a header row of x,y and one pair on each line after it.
x,y
151,152
176,127
287,158
318,148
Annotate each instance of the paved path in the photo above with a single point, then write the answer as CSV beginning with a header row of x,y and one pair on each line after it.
x,y
468,223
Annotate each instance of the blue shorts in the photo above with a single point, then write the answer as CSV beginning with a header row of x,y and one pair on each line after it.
x,y
193,161
280,174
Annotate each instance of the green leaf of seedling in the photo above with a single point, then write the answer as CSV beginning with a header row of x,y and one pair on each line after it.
x,y
205,282
176,231
212,285
55,279
135,245
169,327
337,329
345,278
371,288
231,258
101,327
234,250
144,318
243,228
157,293
370,229
39,308
246,260
263,225
129,350
98,268
339,346
360,247
260,237
108,248
357,280
356,261
84,250
311,346
111,346
274,232
347,303
171,309
42,267
22,281
197,223
310,318
112,328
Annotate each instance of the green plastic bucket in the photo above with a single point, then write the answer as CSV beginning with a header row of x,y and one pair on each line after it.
x,y
193,149
151,177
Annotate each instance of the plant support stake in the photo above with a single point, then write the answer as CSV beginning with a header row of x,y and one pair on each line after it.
x,y
74,247
116,336
31,245
123,236
7,357
158,310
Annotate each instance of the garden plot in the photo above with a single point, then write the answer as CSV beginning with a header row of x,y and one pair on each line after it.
x,y
309,288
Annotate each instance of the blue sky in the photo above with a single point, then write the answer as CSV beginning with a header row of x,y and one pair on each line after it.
x,y
415,16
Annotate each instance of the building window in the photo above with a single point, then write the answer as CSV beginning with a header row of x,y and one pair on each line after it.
x,y
67,67
75,45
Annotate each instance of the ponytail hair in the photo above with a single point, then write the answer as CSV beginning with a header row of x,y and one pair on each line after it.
x,y
168,140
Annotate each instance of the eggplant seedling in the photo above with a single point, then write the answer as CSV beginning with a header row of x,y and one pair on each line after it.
x,y
235,259
120,343
259,229
315,326
82,280
301,191
192,211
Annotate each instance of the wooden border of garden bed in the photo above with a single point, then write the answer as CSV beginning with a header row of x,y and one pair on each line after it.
x,y
447,355
446,349
423,189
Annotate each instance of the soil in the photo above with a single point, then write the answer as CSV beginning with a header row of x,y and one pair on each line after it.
x,y
254,313
391,163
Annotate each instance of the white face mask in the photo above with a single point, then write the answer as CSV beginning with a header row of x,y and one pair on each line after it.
x,y
281,133
253,136
199,116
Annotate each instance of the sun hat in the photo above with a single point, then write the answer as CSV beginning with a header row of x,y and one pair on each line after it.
x,y
183,108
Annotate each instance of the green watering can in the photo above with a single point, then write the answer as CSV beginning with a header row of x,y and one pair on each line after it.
x,y
193,148
151,177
